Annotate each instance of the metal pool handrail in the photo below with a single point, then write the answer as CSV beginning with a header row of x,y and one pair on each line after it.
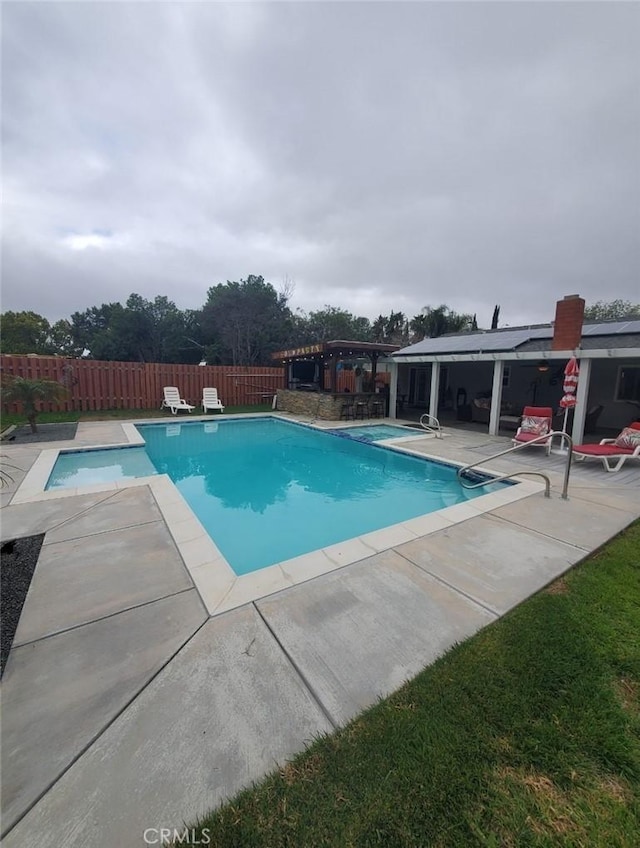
x,y
512,449
432,425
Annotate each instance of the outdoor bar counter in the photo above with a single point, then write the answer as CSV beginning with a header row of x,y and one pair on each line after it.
x,y
327,406
316,375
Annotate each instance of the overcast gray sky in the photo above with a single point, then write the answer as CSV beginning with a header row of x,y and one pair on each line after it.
x,y
378,156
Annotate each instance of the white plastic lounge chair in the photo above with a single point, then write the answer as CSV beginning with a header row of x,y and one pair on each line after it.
x,y
173,401
210,400
619,450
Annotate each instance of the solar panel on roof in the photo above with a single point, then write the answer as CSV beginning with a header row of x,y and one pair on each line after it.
x,y
612,328
510,339
475,342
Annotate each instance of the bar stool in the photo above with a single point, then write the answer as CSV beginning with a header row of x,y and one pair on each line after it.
x,y
362,409
347,411
377,409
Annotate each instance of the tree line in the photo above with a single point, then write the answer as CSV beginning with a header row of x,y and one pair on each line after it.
x,y
241,323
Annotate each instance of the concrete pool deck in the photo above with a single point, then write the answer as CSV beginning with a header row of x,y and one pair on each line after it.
x,y
127,706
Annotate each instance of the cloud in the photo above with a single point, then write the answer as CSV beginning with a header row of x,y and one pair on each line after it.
x,y
381,156
99,241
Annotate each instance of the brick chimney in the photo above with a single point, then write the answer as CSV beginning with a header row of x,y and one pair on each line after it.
x,y
567,328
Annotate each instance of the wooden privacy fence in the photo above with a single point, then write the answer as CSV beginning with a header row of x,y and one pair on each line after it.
x,y
97,385
347,380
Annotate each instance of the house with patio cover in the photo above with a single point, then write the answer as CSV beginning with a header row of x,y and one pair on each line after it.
x,y
489,376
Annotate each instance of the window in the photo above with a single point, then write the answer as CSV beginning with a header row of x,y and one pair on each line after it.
x,y
506,377
628,385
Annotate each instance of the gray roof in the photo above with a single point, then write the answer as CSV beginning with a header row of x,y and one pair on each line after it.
x,y
605,335
632,340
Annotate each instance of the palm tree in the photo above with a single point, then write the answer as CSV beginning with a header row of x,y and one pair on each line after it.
x,y
29,392
436,321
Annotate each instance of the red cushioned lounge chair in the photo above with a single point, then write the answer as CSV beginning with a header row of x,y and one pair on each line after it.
x,y
617,450
536,422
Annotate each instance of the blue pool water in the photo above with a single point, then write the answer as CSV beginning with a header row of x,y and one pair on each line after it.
x,y
84,468
378,432
267,490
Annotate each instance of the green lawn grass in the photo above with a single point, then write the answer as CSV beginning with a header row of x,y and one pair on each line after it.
x,y
109,414
528,734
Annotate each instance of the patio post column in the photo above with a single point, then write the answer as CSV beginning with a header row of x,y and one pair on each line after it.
x,y
496,397
374,369
582,396
334,372
393,388
435,389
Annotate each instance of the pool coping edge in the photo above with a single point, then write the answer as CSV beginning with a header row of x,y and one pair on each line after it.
x,y
218,585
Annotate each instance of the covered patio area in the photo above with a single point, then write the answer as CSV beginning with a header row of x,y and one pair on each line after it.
x,y
486,378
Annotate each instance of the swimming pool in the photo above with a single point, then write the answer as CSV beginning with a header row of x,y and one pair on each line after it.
x,y
267,490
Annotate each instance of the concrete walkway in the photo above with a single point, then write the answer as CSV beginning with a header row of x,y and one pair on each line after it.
x,y
126,706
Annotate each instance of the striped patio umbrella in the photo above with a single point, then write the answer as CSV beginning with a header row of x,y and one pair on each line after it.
x,y
569,387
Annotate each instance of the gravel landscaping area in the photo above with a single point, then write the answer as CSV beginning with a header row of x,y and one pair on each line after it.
x,y
18,562
46,433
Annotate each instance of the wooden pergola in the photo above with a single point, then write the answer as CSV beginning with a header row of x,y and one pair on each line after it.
x,y
332,353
